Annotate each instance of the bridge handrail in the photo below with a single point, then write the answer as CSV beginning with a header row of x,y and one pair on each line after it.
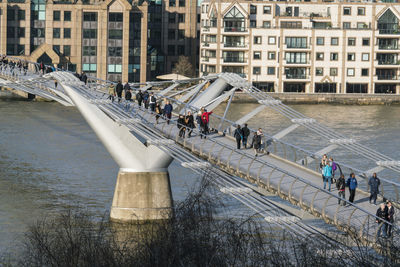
x,y
173,122
306,152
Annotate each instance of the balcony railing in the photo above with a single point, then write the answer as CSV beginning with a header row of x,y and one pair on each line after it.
x,y
296,76
387,77
387,62
297,46
388,47
297,62
389,31
235,29
234,44
234,59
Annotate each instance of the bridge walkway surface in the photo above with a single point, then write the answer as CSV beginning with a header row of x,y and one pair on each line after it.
x,y
289,180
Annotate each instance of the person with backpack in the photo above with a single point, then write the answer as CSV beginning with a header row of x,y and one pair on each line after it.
x,y
374,183
257,138
352,185
126,87
181,126
245,135
323,163
238,136
139,98
111,92
159,112
128,95
189,121
328,175
152,102
341,186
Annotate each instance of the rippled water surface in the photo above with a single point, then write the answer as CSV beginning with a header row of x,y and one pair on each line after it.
x,y
51,160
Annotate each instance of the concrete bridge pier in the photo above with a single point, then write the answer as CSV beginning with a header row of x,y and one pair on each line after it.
x,y
142,196
143,190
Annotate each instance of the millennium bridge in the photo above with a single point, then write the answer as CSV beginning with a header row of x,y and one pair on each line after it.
x,y
143,148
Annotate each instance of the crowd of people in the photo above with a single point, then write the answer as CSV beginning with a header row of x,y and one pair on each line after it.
x,y
16,66
385,212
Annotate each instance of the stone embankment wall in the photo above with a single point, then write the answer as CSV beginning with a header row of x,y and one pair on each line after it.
x,y
345,99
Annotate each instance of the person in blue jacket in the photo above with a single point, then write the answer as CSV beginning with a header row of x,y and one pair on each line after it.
x,y
352,184
328,175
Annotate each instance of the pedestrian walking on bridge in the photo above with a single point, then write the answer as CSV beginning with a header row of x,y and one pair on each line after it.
x,y
139,98
189,120
328,175
257,138
119,88
352,184
168,111
245,135
238,136
341,186
382,214
374,183
390,217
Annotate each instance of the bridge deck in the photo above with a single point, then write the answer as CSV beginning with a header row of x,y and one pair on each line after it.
x,y
222,151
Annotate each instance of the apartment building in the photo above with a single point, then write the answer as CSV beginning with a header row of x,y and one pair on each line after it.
x,y
310,46
111,39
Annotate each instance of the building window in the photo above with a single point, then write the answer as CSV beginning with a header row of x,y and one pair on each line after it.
x,y
319,71
257,39
171,50
115,34
347,11
56,49
113,51
20,49
364,72
67,15
38,32
346,25
87,16
182,3
56,33
115,17
181,34
333,71
334,41
172,18
334,56
351,56
296,42
361,25
253,23
20,32
114,68
365,41
10,32
256,70
89,67
253,9
181,18
267,9
67,33
11,16
271,40
172,3
21,14
296,57
171,34
271,70
181,50
351,41
91,50
361,11
291,25
267,24
10,49
320,40
56,15
67,50
271,55
365,56
350,72
256,55
320,56
90,33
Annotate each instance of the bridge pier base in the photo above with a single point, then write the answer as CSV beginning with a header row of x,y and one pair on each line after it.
x,y
142,196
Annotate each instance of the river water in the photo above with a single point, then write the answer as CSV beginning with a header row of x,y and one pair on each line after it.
x,y
51,160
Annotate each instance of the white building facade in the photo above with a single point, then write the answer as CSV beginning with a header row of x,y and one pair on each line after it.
x,y
311,47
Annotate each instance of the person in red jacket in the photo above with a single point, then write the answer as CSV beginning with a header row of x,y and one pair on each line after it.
x,y
205,117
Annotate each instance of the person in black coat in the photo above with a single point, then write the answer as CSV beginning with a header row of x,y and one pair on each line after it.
x,y
238,136
119,88
181,125
139,98
189,120
374,183
382,214
84,78
245,135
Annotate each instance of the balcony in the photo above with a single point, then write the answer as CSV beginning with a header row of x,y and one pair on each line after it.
x,y
388,62
297,46
234,60
388,47
205,59
387,77
296,62
235,29
205,44
234,44
296,76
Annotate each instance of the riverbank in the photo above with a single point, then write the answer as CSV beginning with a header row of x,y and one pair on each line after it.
x,y
341,99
